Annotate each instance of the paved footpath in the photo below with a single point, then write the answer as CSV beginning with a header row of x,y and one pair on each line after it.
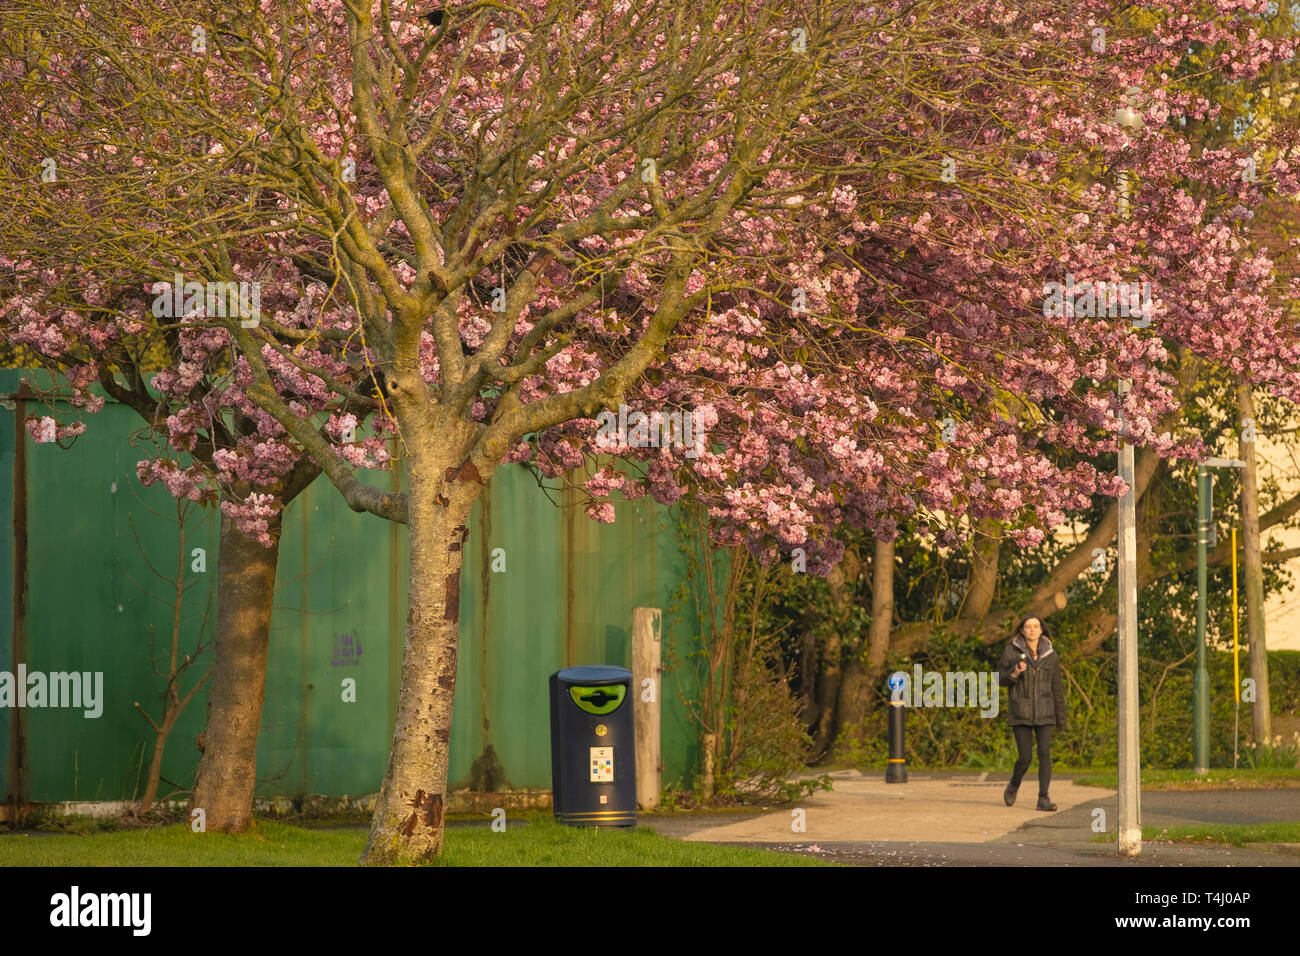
x,y
959,819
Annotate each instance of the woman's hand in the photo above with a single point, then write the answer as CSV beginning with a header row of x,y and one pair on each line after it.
x,y
1019,669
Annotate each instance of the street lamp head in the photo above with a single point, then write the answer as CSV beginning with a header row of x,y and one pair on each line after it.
x,y
1129,116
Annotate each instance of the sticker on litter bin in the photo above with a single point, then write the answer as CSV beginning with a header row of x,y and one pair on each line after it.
x,y
602,764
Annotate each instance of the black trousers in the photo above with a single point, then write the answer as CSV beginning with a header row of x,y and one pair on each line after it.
x,y
1024,744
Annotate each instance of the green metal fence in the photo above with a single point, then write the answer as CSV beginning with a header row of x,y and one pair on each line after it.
x,y
75,594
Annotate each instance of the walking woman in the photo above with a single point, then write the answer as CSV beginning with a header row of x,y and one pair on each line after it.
x,y
1031,669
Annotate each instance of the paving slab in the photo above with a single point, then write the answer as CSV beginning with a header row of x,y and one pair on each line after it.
x,y
954,819
925,809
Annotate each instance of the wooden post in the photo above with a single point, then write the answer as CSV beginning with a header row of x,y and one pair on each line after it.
x,y
646,647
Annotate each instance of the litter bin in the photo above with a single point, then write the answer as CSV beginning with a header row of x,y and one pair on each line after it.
x,y
593,747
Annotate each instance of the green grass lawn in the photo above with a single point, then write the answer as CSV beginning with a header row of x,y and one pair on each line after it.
x,y
1217,779
541,843
1236,835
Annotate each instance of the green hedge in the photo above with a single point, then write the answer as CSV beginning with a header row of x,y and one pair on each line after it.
x,y
961,738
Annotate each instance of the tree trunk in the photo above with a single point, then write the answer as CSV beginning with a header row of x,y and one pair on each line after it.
x,y
864,667
855,692
407,826
227,771
226,776
882,606
809,666
855,686
1254,571
840,581
828,689
982,582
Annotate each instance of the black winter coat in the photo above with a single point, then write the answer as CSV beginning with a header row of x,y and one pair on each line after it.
x,y
1036,696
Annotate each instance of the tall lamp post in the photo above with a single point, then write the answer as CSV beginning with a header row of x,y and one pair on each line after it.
x,y
1204,541
1129,825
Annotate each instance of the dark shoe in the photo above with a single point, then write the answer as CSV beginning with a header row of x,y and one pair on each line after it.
x,y
1045,804
1009,795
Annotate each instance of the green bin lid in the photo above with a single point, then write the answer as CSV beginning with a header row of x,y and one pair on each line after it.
x,y
594,674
